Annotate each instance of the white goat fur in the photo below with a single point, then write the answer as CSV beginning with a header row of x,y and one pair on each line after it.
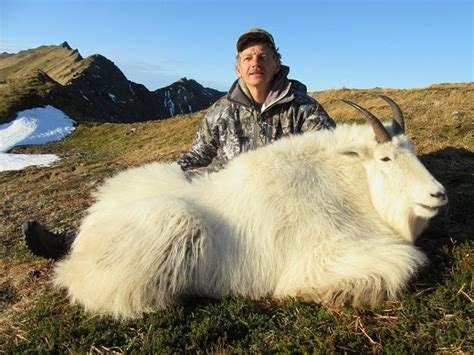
x,y
317,216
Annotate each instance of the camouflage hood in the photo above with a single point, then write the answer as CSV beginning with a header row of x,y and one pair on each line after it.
x,y
239,94
235,124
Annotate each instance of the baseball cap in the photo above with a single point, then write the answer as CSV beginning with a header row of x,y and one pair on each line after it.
x,y
255,35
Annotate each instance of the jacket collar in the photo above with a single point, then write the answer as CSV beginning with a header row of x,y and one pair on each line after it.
x,y
280,90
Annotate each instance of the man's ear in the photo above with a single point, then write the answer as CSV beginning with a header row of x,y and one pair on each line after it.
x,y
237,70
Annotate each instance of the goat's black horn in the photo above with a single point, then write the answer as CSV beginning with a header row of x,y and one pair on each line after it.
x,y
381,134
398,123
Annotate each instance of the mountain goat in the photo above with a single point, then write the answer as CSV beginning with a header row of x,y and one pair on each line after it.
x,y
329,216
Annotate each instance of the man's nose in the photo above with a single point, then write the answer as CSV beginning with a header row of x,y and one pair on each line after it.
x,y
255,61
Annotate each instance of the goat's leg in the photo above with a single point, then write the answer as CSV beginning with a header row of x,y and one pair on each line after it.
x,y
361,274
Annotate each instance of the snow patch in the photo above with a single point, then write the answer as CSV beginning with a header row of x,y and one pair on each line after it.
x,y
84,96
10,162
35,126
131,89
169,103
189,106
114,99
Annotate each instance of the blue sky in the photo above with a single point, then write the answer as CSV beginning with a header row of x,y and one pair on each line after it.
x,y
327,44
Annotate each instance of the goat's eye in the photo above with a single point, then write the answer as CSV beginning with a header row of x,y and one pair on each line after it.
x,y
385,159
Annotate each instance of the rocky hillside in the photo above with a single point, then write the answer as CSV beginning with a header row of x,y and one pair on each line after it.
x,y
89,89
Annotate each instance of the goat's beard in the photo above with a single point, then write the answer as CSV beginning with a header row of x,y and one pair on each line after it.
x,y
405,221
417,225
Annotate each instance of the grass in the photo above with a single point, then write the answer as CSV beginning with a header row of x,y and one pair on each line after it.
x,y
435,314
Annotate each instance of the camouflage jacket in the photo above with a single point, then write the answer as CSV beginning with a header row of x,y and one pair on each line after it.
x,y
234,124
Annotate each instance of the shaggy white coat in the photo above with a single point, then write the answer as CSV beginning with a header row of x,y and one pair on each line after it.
x,y
324,216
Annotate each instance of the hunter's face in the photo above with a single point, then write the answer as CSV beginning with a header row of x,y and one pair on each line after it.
x,y
257,66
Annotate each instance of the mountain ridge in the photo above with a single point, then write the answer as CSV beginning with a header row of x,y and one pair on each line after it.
x,y
90,89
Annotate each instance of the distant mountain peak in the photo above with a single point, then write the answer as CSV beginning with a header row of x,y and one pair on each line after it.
x,y
65,45
5,54
90,89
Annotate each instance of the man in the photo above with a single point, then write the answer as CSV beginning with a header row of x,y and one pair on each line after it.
x,y
263,105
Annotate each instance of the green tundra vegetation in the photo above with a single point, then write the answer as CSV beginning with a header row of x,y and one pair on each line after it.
x,y
434,315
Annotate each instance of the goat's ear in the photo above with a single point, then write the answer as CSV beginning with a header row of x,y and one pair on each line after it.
x,y
354,152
